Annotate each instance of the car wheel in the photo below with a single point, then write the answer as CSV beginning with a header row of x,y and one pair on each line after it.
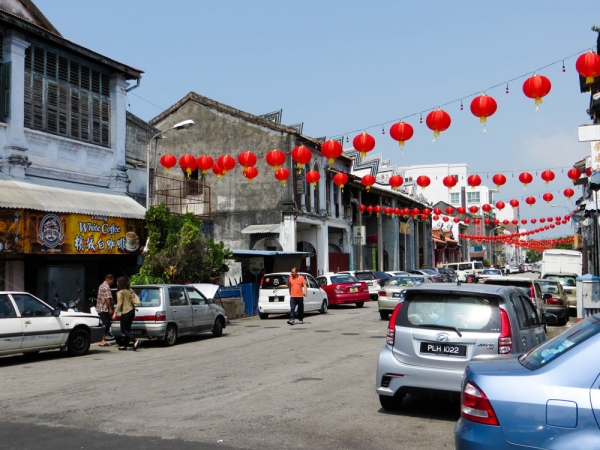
x,y
563,321
218,328
324,307
263,315
384,315
79,342
390,403
170,336
360,304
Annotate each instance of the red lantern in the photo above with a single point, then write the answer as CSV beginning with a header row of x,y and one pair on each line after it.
x,y
500,205
445,218
378,209
588,172
525,178
401,132
388,211
313,177
435,217
548,197
483,107
486,208
437,211
530,201
496,221
467,220
250,173
226,162
415,211
362,208
515,222
368,181
370,209
426,211
473,209
505,222
547,176
536,87
514,203
168,161
340,179
542,220
364,143
301,155
456,220
423,181
205,163
449,181
397,211
533,221
395,182
550,219
449,210
487,221
499,180
282,175
569,193
331,150
588,66
461,210
187,164
477,221
218,170
438,121
275,158
474,181
524,221
574,174
247,159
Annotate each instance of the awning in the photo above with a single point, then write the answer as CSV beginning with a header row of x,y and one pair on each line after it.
x,y
261,229
46,195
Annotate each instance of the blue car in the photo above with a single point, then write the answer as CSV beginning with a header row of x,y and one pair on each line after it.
x,y
548,398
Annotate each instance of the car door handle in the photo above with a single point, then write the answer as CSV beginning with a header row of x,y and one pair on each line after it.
x,y
174,310
28,322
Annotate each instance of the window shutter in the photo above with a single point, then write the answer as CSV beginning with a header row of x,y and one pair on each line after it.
x,y
38,103
52,108
85,115
75,114
28,93
300,181
5,90
96,120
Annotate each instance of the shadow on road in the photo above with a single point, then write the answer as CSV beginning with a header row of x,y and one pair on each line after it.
x,y
423,406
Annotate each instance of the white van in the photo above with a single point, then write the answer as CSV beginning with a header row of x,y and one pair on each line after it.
x,y
463,269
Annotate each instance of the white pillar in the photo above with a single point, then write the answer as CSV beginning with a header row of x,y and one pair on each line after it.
x,y
287,233
118,132
322,249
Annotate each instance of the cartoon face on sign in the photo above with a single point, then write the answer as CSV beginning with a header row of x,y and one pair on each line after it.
x,y
50,233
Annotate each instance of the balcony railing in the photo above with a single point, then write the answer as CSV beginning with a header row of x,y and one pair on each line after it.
x,y
183,195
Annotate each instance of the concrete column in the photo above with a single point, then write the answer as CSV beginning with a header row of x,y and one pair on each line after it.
x,y
322,193
426,248
394,244
340,202
15,275
118,133
380,238
287,233
415,228
322,249
359,248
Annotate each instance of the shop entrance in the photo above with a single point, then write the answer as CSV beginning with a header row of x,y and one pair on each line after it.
x,y
62,282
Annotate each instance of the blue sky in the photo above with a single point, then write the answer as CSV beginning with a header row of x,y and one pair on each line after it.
x,y
340,66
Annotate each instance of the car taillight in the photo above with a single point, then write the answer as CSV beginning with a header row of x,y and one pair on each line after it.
x,y
261,282
160,316
505,339
382,294
391,332
556,301
476,407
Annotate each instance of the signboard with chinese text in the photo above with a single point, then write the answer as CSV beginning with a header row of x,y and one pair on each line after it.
x,y
359,235
595,154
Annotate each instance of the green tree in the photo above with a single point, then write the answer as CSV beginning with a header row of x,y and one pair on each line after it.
x,y
533,256
178,252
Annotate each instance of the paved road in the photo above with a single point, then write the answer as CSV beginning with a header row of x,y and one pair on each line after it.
x,y
264,384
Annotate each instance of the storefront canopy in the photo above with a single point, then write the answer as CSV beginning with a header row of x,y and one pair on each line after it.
x,y
261,229
54,196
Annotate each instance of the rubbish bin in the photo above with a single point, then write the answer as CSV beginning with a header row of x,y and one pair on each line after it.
x,y
588,296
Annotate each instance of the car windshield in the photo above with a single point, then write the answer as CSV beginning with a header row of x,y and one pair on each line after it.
x,y
275,281
549,287
464,312
554,348
148,296
565,280
431,271
337,279
382,275
491,272
364,276
404,281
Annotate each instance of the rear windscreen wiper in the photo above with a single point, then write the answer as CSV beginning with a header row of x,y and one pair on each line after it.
x,y
442,327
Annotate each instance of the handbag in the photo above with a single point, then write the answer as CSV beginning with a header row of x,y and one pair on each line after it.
x,y
135,301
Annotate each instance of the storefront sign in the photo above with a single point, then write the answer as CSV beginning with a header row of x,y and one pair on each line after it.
x,y
404,228
587,133
595,154
359,235
26,231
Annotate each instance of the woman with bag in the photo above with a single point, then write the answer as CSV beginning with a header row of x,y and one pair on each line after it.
x,y
127,300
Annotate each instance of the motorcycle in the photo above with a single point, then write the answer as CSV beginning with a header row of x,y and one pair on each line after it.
x,y
72,306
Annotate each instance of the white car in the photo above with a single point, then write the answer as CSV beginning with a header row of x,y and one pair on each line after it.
x,y
486,273
28,325
371,278
274,295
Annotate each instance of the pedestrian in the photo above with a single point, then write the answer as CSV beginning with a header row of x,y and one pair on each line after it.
x,y
297,287
507,269
104,306
126,300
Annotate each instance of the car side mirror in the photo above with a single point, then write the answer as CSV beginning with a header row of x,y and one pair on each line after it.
x,y
549,319
56,312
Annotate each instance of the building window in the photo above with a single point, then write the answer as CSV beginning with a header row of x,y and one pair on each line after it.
x,y
65,97
455,198
473,197
408,179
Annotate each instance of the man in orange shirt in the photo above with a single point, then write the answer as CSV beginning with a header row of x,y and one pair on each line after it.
x,y
297,287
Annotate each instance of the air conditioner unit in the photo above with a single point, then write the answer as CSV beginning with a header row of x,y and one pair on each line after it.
x,y
347,211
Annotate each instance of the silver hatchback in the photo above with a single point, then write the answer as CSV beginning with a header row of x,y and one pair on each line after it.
x,y
436,329
167,311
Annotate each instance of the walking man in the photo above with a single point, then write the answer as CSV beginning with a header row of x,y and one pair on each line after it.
x,y
104,306
297,287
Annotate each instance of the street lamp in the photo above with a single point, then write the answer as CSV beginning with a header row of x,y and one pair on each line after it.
x,y
178,126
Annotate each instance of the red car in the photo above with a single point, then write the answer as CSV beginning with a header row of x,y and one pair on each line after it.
x,y
342,289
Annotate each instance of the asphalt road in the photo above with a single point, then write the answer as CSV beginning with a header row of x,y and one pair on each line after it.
x,y
264,384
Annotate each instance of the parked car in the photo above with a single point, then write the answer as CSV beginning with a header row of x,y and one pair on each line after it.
x,y
369,277
396,273
29,325
486,273
528,286
430,277
342,289
463,269
547,398
536,267
442,277
168,311
437,328
556,299
514,269
274,295
392,292
568,283
450,274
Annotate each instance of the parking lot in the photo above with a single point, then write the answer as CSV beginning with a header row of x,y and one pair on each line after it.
x,y
264,384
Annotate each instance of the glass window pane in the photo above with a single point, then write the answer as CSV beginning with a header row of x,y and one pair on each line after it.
x,y
196,298
29,306
7,310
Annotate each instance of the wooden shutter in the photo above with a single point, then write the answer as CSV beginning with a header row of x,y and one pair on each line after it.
x,y
5,90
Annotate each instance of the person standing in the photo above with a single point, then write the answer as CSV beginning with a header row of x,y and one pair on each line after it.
x,y
297,287
126,306
104,306
507,269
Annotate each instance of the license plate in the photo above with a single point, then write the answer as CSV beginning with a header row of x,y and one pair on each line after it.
x,y
396,294
353,290
276,299
137,331
435,348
